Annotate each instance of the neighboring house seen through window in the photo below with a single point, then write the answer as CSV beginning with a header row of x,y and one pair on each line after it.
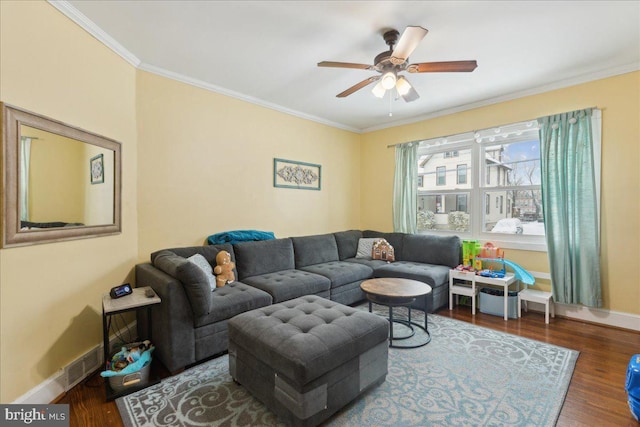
x,y
493,187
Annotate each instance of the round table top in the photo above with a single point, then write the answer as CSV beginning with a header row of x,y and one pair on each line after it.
x,y
395,287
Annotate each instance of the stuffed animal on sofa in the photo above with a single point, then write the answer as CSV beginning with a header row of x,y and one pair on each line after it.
x,y
224,269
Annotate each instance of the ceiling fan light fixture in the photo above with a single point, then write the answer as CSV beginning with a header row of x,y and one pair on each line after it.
x,y
388,80
378,91
403,86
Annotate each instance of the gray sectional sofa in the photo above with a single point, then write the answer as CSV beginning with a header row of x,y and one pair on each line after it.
x,y
191,322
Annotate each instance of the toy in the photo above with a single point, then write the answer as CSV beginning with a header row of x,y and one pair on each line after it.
x,y
382,250
469,251
224,269
129,355
494,254
491,251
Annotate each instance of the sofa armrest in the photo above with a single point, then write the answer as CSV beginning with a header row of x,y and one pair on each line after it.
x,y
172,319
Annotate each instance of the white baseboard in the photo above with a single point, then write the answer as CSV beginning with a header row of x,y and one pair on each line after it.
x,y
593,315
73,373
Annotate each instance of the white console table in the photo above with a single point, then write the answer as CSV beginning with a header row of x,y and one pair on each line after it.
x,y
472,290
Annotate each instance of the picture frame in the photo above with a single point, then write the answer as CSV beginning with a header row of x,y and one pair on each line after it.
x,y
297,175
96,169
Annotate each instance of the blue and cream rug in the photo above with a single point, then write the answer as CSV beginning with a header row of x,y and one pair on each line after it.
x,y
466,376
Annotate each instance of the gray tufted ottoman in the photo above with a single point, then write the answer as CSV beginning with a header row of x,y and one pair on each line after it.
x,y
308,357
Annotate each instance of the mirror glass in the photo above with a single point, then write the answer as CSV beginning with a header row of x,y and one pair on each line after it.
x,y
61,182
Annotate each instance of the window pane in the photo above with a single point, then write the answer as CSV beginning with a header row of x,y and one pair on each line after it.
x,y
441,169
441,175
462,174
443,212
512,164
522,216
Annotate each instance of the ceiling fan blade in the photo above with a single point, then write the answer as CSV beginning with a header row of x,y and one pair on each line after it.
x,y
344,65
442,67
409,40
357,86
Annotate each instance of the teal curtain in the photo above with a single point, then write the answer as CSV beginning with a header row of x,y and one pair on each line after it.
x,y
405,188
570,207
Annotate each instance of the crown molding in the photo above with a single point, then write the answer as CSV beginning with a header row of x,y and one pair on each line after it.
x,y
262,103
89,26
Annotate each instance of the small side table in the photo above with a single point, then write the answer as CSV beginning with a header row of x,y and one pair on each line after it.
x,y
470,291
540,297
136,300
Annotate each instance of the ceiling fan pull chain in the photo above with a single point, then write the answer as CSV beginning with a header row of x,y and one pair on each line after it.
x,y
390,113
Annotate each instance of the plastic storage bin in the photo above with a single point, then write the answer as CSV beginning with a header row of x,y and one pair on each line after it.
x,y
632,386
136,373
492,302
134,379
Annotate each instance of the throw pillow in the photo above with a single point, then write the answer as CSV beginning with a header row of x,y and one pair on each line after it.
x,y
365,247
206,268
382,250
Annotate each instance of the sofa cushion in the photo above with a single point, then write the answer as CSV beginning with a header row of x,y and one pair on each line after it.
x,y
263,257
232,299
369,262
394,239
206,268
193,279
311,250
341,272
288,284
347,242
433,275
430,249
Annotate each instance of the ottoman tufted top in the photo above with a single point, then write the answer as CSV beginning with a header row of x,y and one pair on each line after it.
x,y
308,336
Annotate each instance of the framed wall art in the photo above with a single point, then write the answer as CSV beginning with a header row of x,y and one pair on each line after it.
x,y
96,166
294,174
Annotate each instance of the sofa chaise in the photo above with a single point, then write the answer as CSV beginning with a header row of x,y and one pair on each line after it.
x,y
190,324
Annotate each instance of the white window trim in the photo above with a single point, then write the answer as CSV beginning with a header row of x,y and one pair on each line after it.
x,y
476,193
473,141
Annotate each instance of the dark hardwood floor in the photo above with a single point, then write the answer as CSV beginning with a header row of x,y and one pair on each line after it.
x,y
596,396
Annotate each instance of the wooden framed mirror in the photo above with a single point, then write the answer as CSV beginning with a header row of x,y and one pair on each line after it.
x,y
59,182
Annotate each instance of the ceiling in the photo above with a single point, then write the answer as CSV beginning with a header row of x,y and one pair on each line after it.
x,y
267,52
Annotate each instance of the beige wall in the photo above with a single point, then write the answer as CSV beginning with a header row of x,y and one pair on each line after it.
x,y
206,166
618,97
50,295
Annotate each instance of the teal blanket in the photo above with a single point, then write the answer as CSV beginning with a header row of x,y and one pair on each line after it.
x,y
238,236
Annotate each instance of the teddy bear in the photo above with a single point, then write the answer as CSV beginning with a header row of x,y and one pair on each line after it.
x,y
224,269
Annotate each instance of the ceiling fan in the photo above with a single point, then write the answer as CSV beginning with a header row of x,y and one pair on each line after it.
x,y
390,63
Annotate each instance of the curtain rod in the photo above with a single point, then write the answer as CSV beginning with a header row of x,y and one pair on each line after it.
x,y
478,130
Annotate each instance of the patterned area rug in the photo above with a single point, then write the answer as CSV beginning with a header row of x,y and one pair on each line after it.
x,y
466,376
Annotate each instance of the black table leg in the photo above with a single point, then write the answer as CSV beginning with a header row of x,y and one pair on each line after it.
x,y
390,326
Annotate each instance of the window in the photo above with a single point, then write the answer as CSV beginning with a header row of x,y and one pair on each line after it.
x,y
441,175
461,203
461,174
420,181
500,200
